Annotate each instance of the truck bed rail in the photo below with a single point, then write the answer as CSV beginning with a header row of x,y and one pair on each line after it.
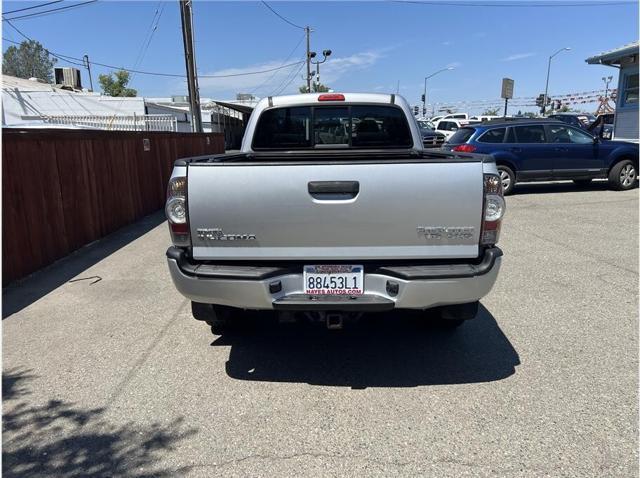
x,y
335,156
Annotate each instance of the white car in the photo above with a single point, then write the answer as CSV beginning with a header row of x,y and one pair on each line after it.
x,y
486,117
450,126
450,116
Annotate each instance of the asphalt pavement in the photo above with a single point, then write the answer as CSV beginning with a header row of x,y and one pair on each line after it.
x,y
105,373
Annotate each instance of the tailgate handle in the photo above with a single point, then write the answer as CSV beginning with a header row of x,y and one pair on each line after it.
x,y
334,189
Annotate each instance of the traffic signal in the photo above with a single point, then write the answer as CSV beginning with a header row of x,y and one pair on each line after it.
x,y
422,98
540,100
558,104
416,110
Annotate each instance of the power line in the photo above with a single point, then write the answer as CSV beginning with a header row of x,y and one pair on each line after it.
x,y
281,17
291,79
514,4
31,8
59,57
251,72
154,73
153,26
50,11
275,72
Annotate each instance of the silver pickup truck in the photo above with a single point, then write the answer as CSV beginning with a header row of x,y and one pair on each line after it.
x,y
331,209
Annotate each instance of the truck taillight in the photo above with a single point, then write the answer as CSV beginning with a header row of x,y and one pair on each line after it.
x,y
493,210
176,211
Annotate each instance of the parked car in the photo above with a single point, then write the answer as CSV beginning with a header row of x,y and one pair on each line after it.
x,y
485,117
434,119
450,126
309,221
425,123
542,150
581,120
430,137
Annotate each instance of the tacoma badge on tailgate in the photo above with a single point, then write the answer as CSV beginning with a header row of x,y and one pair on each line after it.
x,y
216,234
441,232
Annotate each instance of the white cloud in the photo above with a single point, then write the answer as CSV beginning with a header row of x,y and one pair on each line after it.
x,y
518,56
335,68
274,81
267,82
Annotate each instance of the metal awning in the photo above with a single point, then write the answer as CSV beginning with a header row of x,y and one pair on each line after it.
x,y
614,56
246,109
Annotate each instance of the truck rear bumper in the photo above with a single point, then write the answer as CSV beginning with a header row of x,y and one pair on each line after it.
x,y
388,287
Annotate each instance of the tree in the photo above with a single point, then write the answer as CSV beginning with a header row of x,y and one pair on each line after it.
x,y
315,88
116,86
29,59
491,112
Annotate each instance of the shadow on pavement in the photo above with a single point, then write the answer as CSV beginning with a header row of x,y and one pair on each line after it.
x,y
559,187
20,294
380,351
59,439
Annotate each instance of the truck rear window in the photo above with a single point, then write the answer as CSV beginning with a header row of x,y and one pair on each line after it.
x,y
318,127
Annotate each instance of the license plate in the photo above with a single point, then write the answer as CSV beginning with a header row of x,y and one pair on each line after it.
x,y
334,280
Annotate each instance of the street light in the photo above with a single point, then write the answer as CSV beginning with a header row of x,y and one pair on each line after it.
x,y
607,80
546,88
424,96
325,54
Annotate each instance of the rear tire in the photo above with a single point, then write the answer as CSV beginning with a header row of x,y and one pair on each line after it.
x,y
623,175
453,316
216,316
508,179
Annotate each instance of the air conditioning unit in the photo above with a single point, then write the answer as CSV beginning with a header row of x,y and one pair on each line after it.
x,y
244,97
68,77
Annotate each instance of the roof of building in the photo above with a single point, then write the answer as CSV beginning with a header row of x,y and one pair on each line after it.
x,y
13,82
28,101
614,56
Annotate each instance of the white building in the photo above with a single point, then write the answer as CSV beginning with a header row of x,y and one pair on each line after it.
x,y
625,59
33,103
37,104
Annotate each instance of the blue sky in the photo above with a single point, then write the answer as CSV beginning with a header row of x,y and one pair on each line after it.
x,y
375,45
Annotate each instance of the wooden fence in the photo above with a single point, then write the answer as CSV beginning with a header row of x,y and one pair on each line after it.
x,y
62,189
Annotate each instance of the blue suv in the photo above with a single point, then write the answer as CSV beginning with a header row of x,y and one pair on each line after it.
x,y
548,150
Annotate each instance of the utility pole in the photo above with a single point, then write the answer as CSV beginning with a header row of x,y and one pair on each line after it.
x,y
307,31
87,65
186,15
